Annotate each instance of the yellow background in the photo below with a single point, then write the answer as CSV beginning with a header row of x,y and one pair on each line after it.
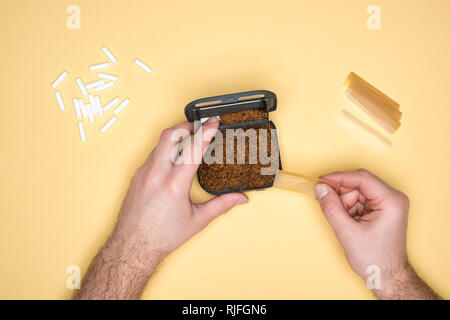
x,y
60,198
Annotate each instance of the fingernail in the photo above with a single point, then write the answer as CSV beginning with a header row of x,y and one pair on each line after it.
x,y
212,119
321,191
242,201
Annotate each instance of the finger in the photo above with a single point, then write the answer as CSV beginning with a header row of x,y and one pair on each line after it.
x,y
193,153
344,190
370,186
357,209
167,146
333,209
171,137
360,210
207,211
353,210
349,199
362,199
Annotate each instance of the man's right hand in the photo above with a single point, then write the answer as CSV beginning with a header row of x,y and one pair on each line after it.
x,y
370,218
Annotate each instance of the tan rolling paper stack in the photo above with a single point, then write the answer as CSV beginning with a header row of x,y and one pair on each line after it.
x,y
377,105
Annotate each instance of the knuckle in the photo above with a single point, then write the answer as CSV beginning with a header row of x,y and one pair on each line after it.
x,y
403,198
149,178
399,201
172,187
166,133
364,172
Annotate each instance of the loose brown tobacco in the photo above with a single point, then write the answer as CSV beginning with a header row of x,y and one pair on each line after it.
x,y
219,178
248,115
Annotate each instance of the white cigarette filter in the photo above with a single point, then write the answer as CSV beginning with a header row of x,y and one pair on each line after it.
x,y
111,104
84,112
107,76
77,108
142,65
96,108
108,124
99,66
109,54
81,131
90,113
58,80
59,100
82,87
121,106
99,105
92,103
94,84
104,86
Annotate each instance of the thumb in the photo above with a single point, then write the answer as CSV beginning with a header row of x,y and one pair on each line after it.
x,y
207,211
333,209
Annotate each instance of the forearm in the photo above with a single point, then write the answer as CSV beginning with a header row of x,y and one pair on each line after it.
x,y
404,285
120,270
